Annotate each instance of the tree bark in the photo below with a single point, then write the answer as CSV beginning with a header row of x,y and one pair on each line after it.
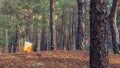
x,y
52,25
98,34
62,31
35,37
10,44
80,45
15,39
43,46
113,26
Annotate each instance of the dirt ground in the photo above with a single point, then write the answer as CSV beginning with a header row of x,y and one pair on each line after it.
x,y
52,59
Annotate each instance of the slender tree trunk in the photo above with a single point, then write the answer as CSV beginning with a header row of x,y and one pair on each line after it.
x,y
28,32
80,45
98,34
52,25
35,37
62,38
113,26
10,42
10,45
58,39
15,40
72,28
61,33
28,23
43,46
36,42
67,42
6,37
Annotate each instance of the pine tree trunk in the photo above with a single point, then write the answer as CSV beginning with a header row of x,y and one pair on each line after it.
x,y
58,39
98,34
10,43
35,37
28,24
80,45
43,46
43,42
15,40
72,29
113,26
62,38
52,25
6,37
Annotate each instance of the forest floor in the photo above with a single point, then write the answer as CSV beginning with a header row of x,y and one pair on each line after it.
x,y
52,59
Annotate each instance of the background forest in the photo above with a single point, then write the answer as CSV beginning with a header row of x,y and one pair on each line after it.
x,y
29,20
63,33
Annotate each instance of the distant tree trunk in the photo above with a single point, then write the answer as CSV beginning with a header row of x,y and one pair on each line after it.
x,y
10,43
52,25
72,28
36,42
62,29
35,34
28,23
58,38
28,32
15,40
98,34
70,31
35,37
43,42
80,45
43,46
6,37
113,26
63,36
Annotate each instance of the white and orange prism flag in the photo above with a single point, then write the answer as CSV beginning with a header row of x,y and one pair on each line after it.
x,y
28,47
